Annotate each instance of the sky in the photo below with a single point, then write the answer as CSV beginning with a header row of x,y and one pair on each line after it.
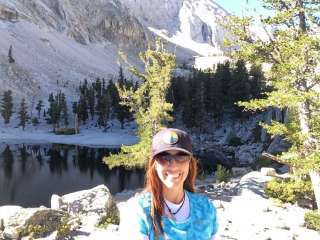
x,y
239,6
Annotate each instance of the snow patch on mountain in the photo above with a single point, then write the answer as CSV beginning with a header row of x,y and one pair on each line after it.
x,y
192,24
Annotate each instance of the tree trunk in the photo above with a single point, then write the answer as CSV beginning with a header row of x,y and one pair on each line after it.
x,y
315,179
76,124
314,174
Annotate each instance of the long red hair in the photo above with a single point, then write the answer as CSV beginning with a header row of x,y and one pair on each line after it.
x,y
153,185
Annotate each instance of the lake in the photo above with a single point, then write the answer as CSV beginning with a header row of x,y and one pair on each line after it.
x,y
31,173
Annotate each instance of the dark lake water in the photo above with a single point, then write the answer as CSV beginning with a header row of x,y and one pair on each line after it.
x,y
30,174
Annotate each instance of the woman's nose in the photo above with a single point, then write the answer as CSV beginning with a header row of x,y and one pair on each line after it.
x,y
173,163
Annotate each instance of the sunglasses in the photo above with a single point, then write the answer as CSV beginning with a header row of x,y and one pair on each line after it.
x,y
166,158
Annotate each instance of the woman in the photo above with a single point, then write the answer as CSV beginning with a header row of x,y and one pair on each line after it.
x,y
169,208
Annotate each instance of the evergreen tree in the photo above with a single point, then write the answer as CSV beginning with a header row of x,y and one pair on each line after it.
x,y
122,111
10,57
64,109
112,91
199,105
50,111
6,106
91,101
103,109
149,105
214,91
83,109
293,54
239,86
257,82
39,107
54,111
193,109
177,92
226,82
23,114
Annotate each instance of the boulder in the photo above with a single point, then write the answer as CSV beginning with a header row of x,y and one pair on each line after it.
x,y
278,145
239,171
93,207
56,202
228,135
268,172
34,222
247,154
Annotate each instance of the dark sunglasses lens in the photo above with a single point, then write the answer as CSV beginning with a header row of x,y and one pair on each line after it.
x,y
166,158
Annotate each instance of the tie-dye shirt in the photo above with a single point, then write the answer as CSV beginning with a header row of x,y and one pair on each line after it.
x,y
201,224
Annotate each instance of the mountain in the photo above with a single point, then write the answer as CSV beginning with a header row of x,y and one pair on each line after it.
x,y
192,24
58,43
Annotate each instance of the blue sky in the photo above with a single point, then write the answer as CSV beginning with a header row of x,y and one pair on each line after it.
x,y
237,6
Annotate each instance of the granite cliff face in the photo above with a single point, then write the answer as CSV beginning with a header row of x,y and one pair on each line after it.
x,y
193,24
58,43
86,21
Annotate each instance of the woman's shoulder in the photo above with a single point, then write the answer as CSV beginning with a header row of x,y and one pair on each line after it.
x,y
201,201
198,197
142,200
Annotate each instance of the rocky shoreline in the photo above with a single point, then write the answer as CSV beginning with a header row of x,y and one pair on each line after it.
x,y
244,212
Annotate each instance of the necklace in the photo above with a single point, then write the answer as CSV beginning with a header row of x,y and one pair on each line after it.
x,y
174,213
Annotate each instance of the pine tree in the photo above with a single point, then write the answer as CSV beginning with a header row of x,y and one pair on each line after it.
x,y
64,110
177,93
200,113
148,103
239,86
23,114
190,114
7,106
39,107
121,111
10,57
293,54
257,82
83,109
91,101
50,111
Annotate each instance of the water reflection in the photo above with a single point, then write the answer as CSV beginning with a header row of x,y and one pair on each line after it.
x,y
30,174
7,162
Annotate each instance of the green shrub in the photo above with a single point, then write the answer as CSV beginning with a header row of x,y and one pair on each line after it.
x,y
312,220
64,228
202,175
43,223
262,161
35,121
112,217
289,190
222,174
65,131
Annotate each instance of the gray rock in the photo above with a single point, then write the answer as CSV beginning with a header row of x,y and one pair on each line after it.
x,y
8,14
91,206
240,171
268,171
247,154
36,222
56,202
278,145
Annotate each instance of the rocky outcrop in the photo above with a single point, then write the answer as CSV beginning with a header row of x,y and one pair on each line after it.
x,y
35,222
8,14
278,145
89,209
86,21
92,206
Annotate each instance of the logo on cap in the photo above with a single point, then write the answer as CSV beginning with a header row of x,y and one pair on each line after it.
x,y
170,137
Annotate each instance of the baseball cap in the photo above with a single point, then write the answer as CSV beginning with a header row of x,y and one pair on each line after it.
x,y
171,139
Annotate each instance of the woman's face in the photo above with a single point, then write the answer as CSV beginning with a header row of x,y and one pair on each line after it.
x,y
172,168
